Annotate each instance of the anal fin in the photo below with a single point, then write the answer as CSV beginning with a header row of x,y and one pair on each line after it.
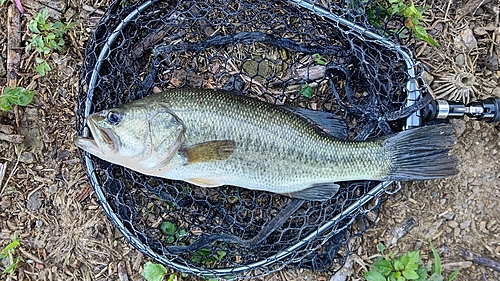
x,y
316,192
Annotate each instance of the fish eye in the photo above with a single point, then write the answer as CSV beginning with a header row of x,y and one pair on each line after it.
x,y
114,117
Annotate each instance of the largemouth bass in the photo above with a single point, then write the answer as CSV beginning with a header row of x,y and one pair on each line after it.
x,y
213,138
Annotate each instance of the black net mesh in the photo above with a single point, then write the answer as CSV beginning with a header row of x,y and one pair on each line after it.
x,y
320,56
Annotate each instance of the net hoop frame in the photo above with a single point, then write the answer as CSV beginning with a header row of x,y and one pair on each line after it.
x,y
363,33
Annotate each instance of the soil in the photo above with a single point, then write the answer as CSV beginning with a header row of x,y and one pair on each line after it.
x,y
45,197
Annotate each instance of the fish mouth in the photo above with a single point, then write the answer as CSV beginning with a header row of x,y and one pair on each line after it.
x,y
103,139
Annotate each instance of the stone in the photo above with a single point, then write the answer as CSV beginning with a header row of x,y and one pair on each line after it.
x,y
453,224
27,158
34,203
465,224
465,40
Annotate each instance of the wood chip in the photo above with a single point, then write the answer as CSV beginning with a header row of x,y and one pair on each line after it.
x,y
6,129
11,138
122,271
13,47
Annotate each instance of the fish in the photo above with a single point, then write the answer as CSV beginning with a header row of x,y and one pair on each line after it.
x,y
212,138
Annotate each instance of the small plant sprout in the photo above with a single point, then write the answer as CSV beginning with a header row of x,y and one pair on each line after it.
x,y
7,256
381,10
408,266
319,59
154,271
18,95
306,90
46,37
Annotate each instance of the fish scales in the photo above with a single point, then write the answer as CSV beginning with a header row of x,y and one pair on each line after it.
x,y
212,138
274,146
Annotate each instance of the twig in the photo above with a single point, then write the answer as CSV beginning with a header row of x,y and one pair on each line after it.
x,y
477,258
11,138
3,168
30,256
447,9
10,175
13,56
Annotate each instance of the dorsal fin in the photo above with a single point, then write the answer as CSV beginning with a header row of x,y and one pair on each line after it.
x,y
327,122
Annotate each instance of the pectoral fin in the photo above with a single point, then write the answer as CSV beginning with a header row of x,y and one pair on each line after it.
x,y
317,192
204,182
209,151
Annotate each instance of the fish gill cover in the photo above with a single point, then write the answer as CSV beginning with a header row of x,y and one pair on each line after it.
x,y
321,55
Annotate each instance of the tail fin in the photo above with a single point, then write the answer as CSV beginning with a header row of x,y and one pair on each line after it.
x,y
422,153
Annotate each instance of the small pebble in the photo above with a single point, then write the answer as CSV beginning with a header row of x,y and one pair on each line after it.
x,y
443,250
456,232
453,224
492,225
53,189
465,224
460,60
417,246
26,158
34,203
449,216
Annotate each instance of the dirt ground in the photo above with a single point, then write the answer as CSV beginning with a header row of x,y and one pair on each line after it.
x,y
46,199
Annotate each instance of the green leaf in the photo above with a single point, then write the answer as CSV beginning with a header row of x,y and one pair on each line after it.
x,y
420,32
436,277
154,271
398,265
15,241
171,277
412,260
437,260
22,97
168,227
454,274
382,266
307,91
33,26
2,2
38,41
319,59
381,248
220,255
422,274
414,12
43,67
373,275
410,274
11,268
